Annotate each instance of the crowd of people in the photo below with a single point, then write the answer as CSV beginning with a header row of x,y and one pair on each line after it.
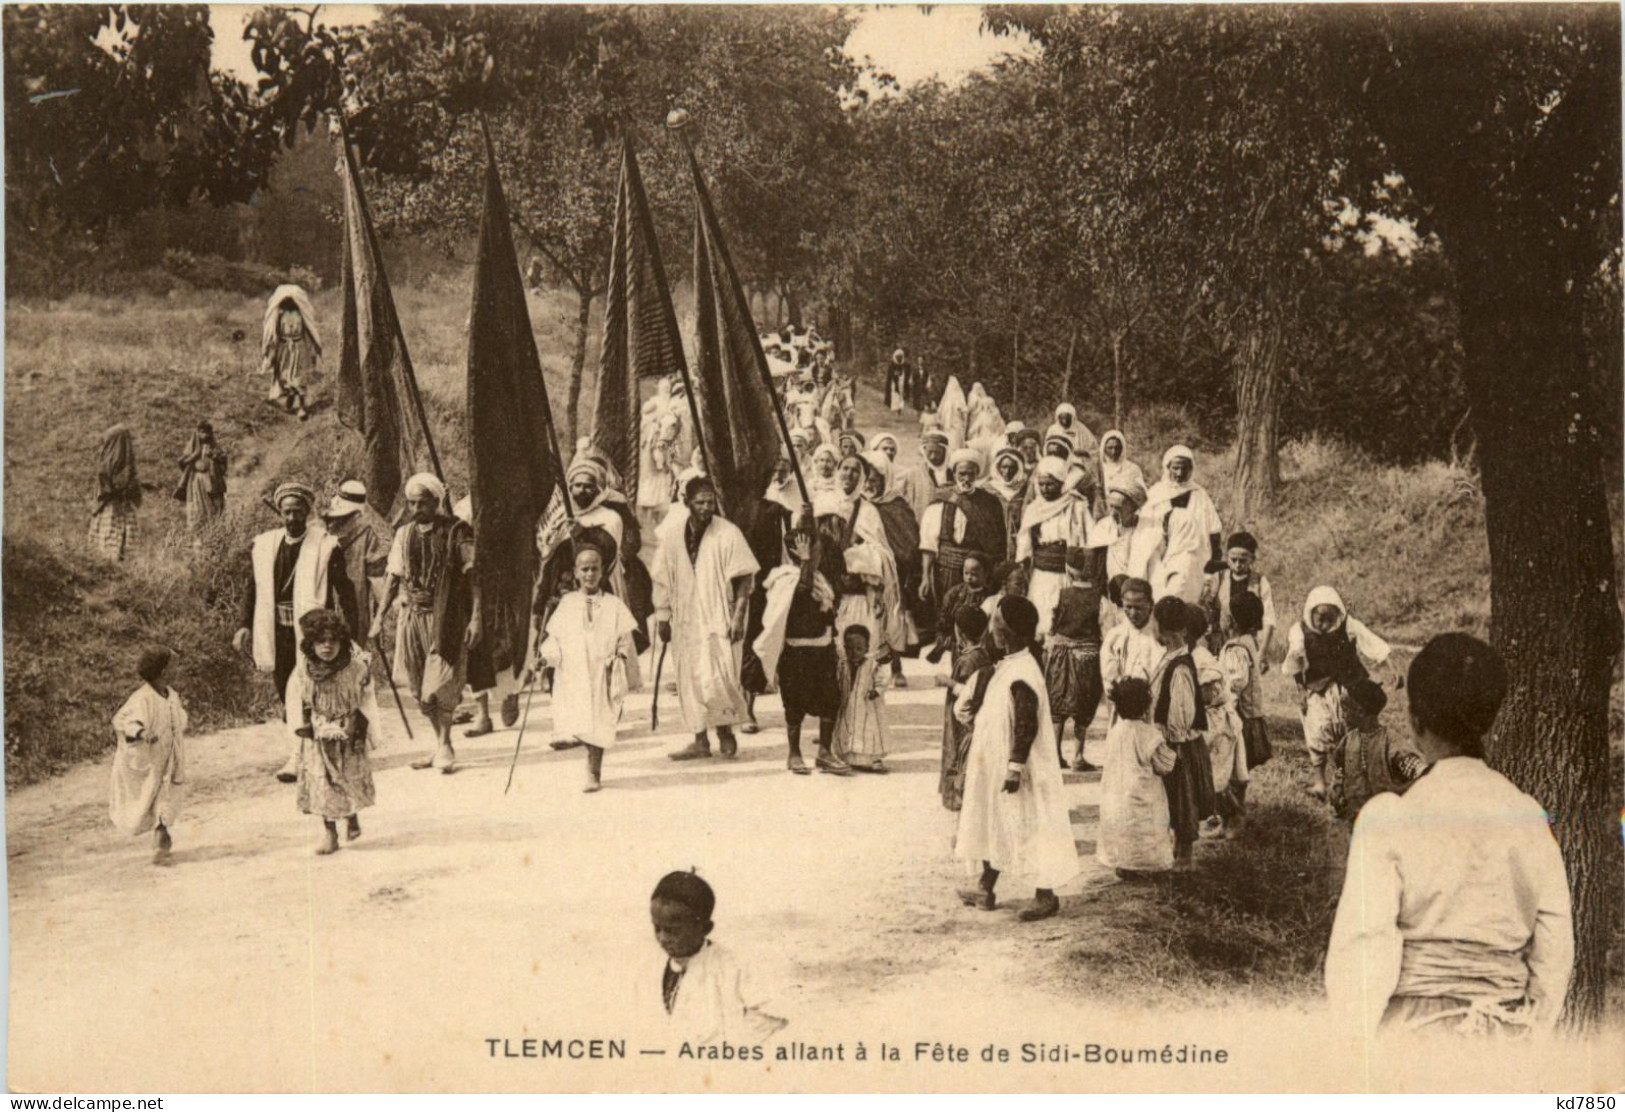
x,y
1056,581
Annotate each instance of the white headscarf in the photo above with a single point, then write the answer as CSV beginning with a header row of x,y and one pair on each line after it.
x,y
301,301
1166,489
1011,489
1324,596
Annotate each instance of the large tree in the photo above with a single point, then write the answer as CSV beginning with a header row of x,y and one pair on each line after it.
x,y
1506,124
113,109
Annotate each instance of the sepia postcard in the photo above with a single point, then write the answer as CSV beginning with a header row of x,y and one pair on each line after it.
x,y
813,548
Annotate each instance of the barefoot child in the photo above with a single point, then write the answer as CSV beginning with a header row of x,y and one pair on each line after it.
x,y
330,702
1324,656
149,767
589,647
706,992
860,730
1135,836
970,656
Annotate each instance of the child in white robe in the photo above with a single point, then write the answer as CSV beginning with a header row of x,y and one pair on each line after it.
x,y
860,728
1135,834
589,646
149,766
706,992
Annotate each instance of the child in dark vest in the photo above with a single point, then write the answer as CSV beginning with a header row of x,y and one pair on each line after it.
x,y
1072,654
1178,711
1368,759
1327,653
972,590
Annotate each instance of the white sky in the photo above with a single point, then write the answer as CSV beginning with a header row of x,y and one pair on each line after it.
x,y
912,44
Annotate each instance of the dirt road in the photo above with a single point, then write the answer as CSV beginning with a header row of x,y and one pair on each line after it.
x,y
464,914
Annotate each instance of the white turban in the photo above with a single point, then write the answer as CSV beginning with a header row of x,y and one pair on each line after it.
x,y
965,455
1051,467
425,482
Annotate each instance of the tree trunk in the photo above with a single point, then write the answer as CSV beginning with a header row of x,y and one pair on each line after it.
x,y
1554,610
1066,377
1258,411
1015,372
1117,380
578,370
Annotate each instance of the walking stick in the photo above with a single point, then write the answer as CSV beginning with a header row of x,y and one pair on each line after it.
x,y
520,740
389,674
654,704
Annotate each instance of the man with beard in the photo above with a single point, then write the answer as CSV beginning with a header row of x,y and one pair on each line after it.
x,y
963,519
296,569
702,586
431,566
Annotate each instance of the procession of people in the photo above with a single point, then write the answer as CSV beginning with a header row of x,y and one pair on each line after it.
x,y
1059,584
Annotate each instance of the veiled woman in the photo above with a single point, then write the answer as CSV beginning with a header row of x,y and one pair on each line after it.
x,y
203,478
883,490
290,347
118,495
874,585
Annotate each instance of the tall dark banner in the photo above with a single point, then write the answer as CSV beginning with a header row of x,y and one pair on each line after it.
x,y
377,389
641,339
736,409
513,461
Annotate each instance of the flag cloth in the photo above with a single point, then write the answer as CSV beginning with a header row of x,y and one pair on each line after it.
x,y
513,465
641,339
734,394
377,391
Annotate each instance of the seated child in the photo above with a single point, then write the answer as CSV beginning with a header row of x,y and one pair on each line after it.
x,y
1226,752
1242,661
705,991
860,728
1072,654
1368,759
330,698
149,766
1135,836
1325,655
972,590
971,655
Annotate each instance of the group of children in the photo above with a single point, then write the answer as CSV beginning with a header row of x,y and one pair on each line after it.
x,y
1183,685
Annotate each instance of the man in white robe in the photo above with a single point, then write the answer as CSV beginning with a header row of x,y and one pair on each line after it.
x,y
1130,647
1049,527
703,578
296,569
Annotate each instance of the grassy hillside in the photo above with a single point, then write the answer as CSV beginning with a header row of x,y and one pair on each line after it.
x,y
74,623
